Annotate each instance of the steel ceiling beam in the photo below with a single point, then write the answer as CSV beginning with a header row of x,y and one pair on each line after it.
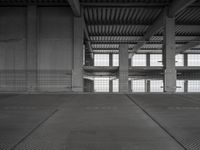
x,y
75,5
88,42
139,36
188,46
179,5
174,8
187,27
153,42
119,34
120,4
87,4
105,49
129,4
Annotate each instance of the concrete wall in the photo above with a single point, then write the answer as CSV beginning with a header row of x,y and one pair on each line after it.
x,y
55,38
12,38
12,48
54,48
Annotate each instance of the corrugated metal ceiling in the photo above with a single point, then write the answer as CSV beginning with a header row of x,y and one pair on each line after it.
x,y
128,20
113,25
125,1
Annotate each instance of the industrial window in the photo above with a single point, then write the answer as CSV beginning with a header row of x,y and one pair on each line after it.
x,y
156,85
101,60
115,85
101,84
138,85
138,60
156,60
115,60
179,60
193,59
194,86
180,86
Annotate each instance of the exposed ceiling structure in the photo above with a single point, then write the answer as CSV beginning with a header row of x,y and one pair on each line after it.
x,y
111,22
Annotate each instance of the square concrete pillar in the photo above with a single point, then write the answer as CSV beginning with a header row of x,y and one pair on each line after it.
x,y
123,68
169,51
77,72
32,48
110,86
110,59
148,86
129,86
185,58
129,62
186,86
148,60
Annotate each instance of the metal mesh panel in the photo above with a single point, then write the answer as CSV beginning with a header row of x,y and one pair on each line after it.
x,y
115,84
138,60
193,59
101,60
101,84
156,86
115,60
193,85
138,85
179,60
188,74
156,60
180,85
191,79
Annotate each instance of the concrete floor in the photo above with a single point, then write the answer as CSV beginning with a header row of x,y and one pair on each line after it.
x,y
100,122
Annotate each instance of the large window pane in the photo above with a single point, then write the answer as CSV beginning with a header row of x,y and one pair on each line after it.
x,y
115,60
179,60
193,59
156,85
138,85
101,84
139,60
116,85
156,60
194,86
101,60
180,86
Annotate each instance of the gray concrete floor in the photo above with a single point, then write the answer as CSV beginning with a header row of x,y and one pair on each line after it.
x,y
100,122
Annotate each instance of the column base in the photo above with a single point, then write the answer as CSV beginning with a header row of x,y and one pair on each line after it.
x,y
170,81
77,89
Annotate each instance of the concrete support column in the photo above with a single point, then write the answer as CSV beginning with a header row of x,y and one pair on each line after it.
x,y
123,68
77,73
129,62
110,59
148,59
110,86
148,86
129,86
92,60
185,58
32,48
185,65
186,86
169,54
